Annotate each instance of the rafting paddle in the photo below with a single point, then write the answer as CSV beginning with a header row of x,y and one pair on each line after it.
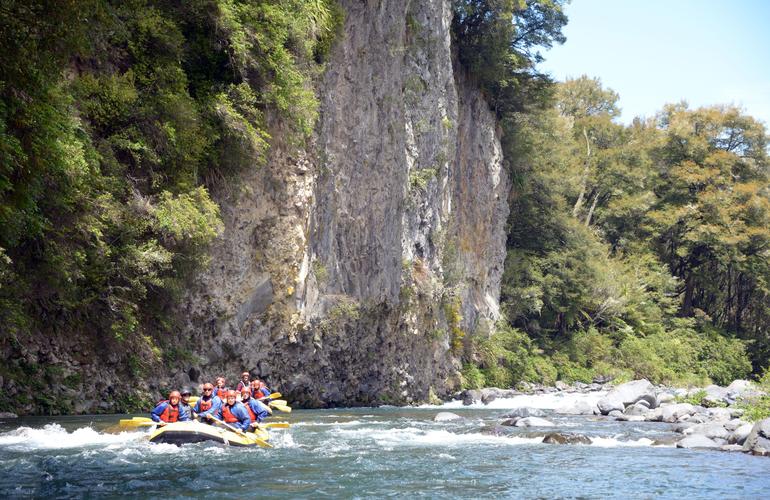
x,y
280,407
255,439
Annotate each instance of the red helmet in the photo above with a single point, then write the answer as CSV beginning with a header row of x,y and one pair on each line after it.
x,y
174,394
246,390
231,393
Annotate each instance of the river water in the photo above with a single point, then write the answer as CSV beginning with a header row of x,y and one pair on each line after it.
x,y
375,452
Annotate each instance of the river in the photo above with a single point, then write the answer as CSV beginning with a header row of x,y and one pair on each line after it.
x,y
375,452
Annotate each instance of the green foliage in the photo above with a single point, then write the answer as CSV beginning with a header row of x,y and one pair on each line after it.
x,y
116,121
454,318
472,377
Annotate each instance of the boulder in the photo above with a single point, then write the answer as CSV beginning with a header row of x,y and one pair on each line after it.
x,y
615,414
627,394
674,413
637,409
525,412
740,434
715,395
630,418
655,415
7,414
734,424
731,447
533,422
719,414
562,386
712,430
758,440
470,396
739,387
446,416
665,398
697,441
562,438
578,408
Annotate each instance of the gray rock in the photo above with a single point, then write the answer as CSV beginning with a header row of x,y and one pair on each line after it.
x,y
446,416
758,440
533,422
637,409
713,430
665,398
739,435
674,413
525,412
615,413
511,422
734,424
627,394
697,441
7,414
562,386
630,418
579,408
715,395
470,396
719,414
655,415
731,447
562,438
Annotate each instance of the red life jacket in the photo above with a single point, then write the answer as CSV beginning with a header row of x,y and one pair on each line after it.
x,y
206,405
251,412
228,415
170,414
220,392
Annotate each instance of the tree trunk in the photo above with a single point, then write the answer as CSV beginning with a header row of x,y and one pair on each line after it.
x,y
593,207
586,165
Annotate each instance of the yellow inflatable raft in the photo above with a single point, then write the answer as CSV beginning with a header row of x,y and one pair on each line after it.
x,y
195,432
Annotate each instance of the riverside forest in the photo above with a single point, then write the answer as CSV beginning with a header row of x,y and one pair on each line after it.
x,y
363,203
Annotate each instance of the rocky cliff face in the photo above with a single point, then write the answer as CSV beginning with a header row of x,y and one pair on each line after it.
x,y
354,270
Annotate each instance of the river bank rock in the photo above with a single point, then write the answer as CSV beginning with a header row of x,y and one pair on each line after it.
x,y
7,414
486,395
628,394
446,416
758,440
578,408
562,438
697,441
676,412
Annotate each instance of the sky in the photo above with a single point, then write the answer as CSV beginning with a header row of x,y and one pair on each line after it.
x,y
654,52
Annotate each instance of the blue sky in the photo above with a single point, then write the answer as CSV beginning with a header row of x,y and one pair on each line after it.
x,y
654,52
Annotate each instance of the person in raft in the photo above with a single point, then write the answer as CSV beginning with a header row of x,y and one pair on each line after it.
x,y
185,410
207,404
167,411
259,390
234,413
221,389
244,383
257,411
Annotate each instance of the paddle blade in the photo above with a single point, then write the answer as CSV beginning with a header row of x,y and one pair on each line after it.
x,y
283,408
274,425
128,423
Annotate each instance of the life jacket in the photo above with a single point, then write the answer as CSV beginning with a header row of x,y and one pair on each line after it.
x,y
251,412
220,392
206,405
170,414
227,415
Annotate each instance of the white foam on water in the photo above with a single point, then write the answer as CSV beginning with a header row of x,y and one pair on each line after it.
x,y
339,424
412,436
551,401
54,436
